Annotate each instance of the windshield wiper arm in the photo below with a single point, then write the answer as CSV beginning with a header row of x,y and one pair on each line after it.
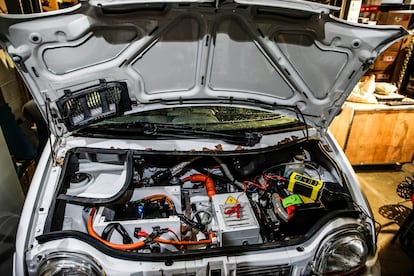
x,y
244,139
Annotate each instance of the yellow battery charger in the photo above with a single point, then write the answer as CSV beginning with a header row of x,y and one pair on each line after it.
x,y
305,185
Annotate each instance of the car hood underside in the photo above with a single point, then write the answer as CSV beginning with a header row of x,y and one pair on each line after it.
x,y
175,52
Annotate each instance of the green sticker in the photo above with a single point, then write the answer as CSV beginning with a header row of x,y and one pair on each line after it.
x,y
291,200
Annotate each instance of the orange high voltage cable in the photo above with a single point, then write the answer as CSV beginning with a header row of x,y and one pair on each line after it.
x,y
137,245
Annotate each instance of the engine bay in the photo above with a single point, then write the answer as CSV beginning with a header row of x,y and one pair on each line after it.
x,y
159,202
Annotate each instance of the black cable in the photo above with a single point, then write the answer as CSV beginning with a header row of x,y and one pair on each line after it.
x,y
212,175
109,229
304,121
356,205
331,192
107,232
311,166
191,222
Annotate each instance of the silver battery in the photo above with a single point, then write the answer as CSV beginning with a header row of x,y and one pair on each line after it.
x,y
231,228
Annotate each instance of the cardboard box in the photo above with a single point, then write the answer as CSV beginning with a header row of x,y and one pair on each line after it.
x,y
394,18
386,60
395,46
382,76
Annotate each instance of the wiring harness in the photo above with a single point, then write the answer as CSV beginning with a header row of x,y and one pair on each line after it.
x,y
148,238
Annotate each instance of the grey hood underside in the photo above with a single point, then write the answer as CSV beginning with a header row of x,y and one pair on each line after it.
x,y
290,53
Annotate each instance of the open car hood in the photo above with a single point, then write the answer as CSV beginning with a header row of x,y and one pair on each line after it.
x,y
104,58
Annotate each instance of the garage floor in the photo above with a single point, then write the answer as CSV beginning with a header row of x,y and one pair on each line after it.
x,y
379,185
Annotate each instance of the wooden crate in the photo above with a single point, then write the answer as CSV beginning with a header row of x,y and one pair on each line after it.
x,y
375,134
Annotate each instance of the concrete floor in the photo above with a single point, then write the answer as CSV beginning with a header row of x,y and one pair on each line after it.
x,y
379,185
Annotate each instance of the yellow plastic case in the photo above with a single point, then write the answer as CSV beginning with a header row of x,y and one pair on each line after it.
x,y
304,185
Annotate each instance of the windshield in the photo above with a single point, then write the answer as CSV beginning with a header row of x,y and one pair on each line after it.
x,y
218,118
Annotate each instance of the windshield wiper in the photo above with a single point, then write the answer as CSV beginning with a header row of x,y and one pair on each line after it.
x,y
244,138
135,129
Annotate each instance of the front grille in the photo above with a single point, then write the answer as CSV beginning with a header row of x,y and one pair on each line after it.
x,y
275,270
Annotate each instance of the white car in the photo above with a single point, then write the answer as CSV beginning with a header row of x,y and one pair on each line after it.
x,y
190,138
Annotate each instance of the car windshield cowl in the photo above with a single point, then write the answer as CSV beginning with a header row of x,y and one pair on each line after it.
x,y
236,125
247,138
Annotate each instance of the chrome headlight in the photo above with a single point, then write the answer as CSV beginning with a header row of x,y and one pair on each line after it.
x,y
69,263
342,253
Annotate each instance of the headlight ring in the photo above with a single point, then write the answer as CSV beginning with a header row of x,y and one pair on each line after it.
x,y
342,253
67,263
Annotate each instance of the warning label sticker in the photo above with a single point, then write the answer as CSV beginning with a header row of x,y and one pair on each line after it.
x,y
230,200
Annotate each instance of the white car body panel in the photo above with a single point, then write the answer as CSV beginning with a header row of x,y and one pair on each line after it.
x,y
97,69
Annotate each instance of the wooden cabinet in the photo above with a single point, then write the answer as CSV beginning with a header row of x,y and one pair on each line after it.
x,y
375,133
